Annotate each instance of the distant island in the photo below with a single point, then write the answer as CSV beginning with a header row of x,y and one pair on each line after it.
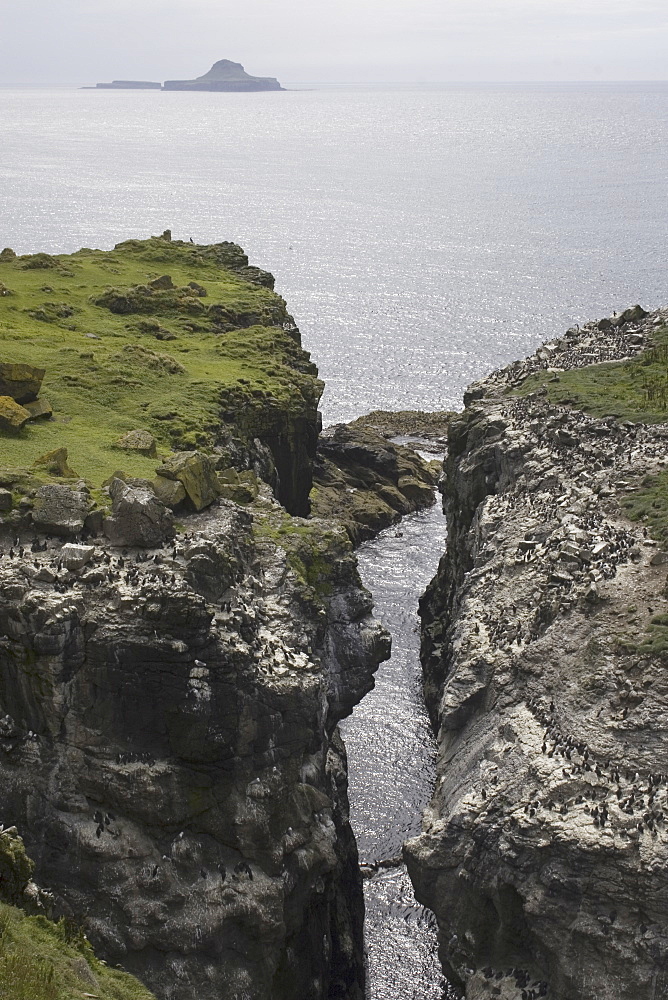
x,y
126,85
224,75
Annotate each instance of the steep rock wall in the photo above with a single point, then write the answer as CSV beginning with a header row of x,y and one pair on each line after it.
x,y
169,751
543,848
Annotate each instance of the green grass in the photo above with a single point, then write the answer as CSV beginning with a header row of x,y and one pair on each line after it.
x,y
229,354
312,550
635,390
649,504
40,960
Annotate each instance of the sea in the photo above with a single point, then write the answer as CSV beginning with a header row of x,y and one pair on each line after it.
x,y
422,236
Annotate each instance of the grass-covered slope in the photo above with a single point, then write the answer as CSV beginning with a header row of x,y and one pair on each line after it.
x,y
41,960
208,341
635,390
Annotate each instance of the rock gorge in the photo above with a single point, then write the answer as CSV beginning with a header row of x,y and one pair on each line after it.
x,y
544,848
178,640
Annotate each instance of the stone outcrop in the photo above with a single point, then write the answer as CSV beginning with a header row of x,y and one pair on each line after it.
x,y
367,482
544,846
196,473
169,747
225,75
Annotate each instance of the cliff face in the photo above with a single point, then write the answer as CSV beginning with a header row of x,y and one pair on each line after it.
x,y
169,752
176,650
543,848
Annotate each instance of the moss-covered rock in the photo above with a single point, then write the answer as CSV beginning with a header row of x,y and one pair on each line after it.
x,y
21,382
197,474
139,441
16,868
55,463
39,409
13,416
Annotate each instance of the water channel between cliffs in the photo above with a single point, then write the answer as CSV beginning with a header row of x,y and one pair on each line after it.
x,y
391,757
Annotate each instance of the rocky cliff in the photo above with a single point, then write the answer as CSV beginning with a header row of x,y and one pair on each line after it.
x,y
176,648
544,848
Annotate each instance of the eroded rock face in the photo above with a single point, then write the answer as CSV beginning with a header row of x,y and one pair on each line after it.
x,y
544,846
169,751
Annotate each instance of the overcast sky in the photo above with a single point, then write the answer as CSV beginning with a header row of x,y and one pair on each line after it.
x,y
62,42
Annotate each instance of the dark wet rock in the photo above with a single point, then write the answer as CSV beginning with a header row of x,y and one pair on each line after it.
x,y
168,740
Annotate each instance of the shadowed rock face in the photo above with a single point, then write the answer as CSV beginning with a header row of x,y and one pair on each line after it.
x,y
543,848
168,748
225,75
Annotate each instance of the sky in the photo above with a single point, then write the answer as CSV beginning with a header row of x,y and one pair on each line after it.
x,y
78,42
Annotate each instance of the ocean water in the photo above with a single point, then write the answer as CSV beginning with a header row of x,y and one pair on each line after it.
x,y
420,235
391,760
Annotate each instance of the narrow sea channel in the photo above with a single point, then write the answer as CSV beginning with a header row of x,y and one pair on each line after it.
x,y
391,757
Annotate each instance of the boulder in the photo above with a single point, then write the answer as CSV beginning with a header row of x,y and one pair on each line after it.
x,y
242,488
161,283
7,254
140,441
13,416
138,518
76,556
6,502
197,473
198,289
632,315
39,409
60,510
169,491
21,382
55,462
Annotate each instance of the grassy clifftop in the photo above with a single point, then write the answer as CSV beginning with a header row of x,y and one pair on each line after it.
x,y
163,336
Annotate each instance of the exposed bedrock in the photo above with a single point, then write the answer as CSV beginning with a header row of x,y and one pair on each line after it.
x,y
544,848
169,749
367,482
